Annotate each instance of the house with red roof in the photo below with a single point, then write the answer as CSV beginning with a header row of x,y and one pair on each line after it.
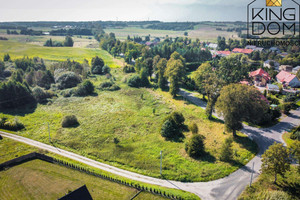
x,y
244,51
288,79
260,77
223,53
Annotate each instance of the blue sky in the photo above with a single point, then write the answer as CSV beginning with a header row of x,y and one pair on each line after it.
x,y
91,10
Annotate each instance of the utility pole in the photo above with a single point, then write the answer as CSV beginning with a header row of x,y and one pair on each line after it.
x,y
160,163
252,174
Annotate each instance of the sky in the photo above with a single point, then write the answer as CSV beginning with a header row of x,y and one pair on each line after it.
x,y
124,10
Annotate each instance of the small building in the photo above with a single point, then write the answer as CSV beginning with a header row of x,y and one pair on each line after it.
x,y
268,65
273,88
275,49
243,51
296,69
288,79
213,46
223,53
254,48
260,77
287,68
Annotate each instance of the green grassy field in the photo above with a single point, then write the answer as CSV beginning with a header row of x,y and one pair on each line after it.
x,y
19,50
10,149
128,115
36,179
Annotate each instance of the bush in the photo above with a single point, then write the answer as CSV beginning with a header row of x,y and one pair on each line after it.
x,y
70,121
295,135
105,69
6,58
135,81
173,126
97,65
128,69
68,42
109,85
12,125
195,147
84,89
226,150
67,80
40,94
194,128
286,107
290,98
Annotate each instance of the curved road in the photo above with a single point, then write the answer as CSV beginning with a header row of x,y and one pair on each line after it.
x,y
227,188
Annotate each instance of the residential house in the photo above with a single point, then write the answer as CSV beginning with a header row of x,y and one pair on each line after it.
x,y
260,77
254,48
244,51
213,46
267,64
275,49
296,69
288,79
223,53
287,68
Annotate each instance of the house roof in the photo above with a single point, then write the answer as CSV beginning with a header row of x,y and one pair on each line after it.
x,y
284,76
260,72
244,51
227,53
272,87
78,194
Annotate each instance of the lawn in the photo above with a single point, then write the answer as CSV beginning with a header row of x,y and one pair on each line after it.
x,y
19,50
36,179
134,117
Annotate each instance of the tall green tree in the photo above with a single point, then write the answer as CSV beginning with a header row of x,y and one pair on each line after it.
x,y
276,160
68,41
208,84
175,72
238,103
161,68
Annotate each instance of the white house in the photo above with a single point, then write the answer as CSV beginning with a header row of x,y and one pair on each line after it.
x,y
288,79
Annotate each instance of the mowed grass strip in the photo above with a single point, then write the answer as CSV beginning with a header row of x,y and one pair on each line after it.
x,y
41,180
19,50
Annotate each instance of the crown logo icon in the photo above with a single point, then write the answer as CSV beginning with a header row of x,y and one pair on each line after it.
x,y
273,3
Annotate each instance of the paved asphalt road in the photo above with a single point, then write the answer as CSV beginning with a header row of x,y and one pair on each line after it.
x,y
227,188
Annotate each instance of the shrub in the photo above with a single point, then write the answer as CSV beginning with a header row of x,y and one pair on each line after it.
x,y
168,129
226,150
6,58
68,42
70,121
109,85
97,65
67,80
290,97
172,126
105,69
84,89
194,128
286,108
295,135
40,94
195,147
12,125
128,69
135,81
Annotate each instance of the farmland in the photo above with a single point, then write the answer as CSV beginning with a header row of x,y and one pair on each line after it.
x,y
19,50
